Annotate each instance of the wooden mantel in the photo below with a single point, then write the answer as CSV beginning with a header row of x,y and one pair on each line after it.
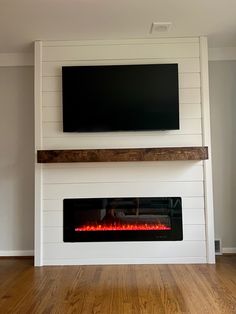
x,y
128,154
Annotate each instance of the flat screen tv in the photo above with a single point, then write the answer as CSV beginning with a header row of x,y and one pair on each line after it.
x,y
120,98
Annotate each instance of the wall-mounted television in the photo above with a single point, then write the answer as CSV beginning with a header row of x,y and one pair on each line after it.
x,y
120,98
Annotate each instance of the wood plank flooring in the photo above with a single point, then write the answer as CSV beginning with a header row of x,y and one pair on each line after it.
x,y
123,289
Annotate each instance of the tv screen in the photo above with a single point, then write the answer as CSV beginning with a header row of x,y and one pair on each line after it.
x,y
120,98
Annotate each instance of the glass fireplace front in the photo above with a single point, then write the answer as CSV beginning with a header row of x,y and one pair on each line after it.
x,y
122,219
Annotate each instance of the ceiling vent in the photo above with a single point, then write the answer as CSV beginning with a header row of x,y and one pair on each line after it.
x,y
160,27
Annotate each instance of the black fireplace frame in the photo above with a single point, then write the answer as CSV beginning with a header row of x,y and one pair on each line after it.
x,y
175,234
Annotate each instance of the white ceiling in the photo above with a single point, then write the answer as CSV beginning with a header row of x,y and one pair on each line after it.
x,y
23,21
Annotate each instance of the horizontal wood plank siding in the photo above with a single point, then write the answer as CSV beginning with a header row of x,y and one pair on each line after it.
x,y
123,260
123,189
122,51
105,250
165,171
91,43
99,142
183,179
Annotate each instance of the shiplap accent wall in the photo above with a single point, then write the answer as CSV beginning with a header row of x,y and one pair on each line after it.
x,y
56,182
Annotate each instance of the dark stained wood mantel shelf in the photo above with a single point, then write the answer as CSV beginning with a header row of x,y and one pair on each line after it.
x,y
118,155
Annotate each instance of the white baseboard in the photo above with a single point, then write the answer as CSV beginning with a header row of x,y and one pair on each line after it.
x,y
17,253
229,250
123,261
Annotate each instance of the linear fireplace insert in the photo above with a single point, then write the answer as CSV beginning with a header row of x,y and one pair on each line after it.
x,y
122,219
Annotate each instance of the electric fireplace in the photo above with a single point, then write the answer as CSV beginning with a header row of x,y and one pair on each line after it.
x,y
122,219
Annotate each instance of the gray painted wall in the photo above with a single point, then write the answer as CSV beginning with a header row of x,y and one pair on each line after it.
x,y
16,158
223,127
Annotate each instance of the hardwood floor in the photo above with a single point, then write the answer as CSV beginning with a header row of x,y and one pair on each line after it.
x,y
123,289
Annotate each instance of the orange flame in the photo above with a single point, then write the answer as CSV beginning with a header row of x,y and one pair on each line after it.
x,y
122,227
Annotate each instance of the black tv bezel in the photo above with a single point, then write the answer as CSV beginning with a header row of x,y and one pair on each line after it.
x,y
67,129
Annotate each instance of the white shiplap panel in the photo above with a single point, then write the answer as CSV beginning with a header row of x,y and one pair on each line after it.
x,y
163,140
192,207
186,80
122,164
136,189
125,261
53,218
142,179
206,127
52,84
186,96
51,99
38,246
190,96
185,65
193,203
122,51
162,172
54,113
188,111
193,216
194,233
190,233
52,234
189,80
94,42
53,205
124,249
